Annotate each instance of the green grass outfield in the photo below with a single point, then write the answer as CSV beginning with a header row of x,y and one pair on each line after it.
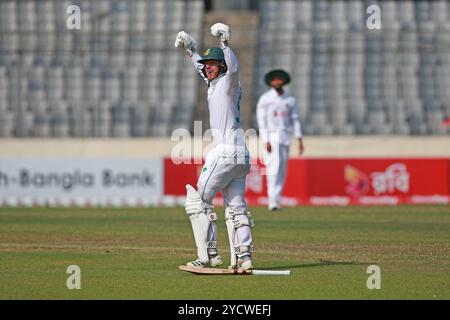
x,y
134,254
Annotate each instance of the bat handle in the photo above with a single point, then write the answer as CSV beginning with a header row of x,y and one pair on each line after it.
x,y
271,272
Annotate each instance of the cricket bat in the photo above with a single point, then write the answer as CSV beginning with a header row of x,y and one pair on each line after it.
x,y
217,271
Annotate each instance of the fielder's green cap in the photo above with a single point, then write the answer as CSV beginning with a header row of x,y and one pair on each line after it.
x,y
214,53
278,72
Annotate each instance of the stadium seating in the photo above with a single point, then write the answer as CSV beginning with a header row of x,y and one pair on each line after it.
x,y
351,80
120,76
104,80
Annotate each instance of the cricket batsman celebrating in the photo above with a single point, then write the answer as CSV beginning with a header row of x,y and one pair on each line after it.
x,y
227,164
277,117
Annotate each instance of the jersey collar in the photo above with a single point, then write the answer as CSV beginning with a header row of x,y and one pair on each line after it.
x,y
213,82
275,93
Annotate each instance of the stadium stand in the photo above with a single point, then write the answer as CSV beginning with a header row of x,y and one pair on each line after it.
x,y
120,75
349,79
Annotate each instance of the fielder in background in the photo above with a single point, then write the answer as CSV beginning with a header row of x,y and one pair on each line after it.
x,y
277,117
227,164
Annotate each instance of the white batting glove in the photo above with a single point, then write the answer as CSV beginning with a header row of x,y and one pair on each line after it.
x,y
184,41
222,31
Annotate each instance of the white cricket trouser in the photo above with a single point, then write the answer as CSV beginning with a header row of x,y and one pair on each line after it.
x,y
276,165
225,172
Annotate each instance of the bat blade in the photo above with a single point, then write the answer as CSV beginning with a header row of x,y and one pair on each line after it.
x,y
214,271
217,271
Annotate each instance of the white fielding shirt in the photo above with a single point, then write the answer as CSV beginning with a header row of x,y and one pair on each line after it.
x,y
278,114
224,97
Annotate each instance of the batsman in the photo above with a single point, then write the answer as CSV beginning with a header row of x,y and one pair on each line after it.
x,y
227,164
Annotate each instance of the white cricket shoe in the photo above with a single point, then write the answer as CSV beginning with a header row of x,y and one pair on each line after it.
x,y
197,263
245,263
214,261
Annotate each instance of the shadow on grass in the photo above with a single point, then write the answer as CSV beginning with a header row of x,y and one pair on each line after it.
x,y
322,263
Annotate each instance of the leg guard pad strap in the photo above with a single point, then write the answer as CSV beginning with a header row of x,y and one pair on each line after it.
x,y
244,249
212,244
239,219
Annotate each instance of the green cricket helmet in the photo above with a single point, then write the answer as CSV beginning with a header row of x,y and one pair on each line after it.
x,y
214,53
277,73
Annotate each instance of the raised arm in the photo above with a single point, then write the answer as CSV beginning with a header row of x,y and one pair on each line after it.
x,y
222,31
186,42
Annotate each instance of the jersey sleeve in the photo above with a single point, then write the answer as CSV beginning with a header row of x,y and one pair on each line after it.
x,y
194,56
261,116
295,120
230,60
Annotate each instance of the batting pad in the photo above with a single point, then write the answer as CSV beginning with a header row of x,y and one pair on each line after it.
x,y
200,225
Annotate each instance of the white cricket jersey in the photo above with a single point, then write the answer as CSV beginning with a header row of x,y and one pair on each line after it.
x,y
224,96
278,114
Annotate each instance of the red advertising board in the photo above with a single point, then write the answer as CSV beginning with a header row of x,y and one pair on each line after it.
x,y
363,181
378,181
176,176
